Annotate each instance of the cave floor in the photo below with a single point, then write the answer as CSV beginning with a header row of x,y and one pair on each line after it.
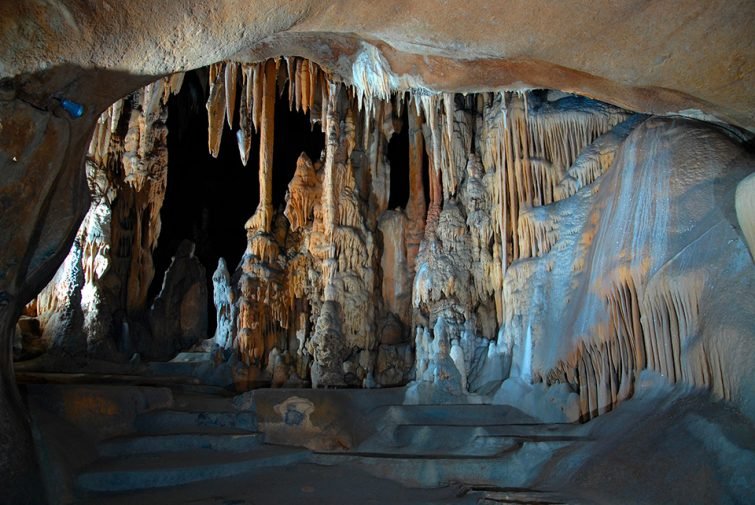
x,y
119,439
298,483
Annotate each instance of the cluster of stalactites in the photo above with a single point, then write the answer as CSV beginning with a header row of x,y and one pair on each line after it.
x,y
493,158
145,124
333,206
655,328
244,84
497,163
534,146
126,172
129,150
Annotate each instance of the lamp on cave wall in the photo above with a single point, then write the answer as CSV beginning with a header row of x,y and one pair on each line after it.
x,y
74,109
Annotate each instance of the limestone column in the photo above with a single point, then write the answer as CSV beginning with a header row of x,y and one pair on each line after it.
x,y
415,208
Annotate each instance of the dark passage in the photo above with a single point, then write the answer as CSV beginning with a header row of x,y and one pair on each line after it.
x,y
398,156
208,200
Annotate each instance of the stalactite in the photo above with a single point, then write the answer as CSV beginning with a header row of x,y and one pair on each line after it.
x,y
653,328
332,135
306,94
538,232
244,133
257,92
291,70
175,83
263,216
534,150
216,107
298,86
594,160
380,170
415,208
231,78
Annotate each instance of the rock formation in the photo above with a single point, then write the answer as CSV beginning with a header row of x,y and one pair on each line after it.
x,y
514,215
225,306
339,290
569,241
96,303
178,316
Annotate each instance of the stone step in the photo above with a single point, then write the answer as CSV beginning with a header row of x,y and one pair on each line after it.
x,y
176,383
468,446
176,469
524,497
461,441
512,468
180,421
203,403
178,442
439,434
459,415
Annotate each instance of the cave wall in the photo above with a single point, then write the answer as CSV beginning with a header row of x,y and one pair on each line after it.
x,y
664,57
546,252
43,198
528,262
96,304
635,277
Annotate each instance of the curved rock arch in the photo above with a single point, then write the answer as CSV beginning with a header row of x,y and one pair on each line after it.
x,y
657,57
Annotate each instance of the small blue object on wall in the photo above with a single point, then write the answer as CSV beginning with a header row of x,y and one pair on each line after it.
x,y
76,110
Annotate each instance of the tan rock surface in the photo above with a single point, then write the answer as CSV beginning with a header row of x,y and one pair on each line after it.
x,y
650,57
523,236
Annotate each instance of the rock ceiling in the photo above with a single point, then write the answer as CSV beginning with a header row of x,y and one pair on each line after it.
x,y
565,242
645,56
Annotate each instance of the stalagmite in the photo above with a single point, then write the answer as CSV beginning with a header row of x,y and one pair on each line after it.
x,y
457,355
304,192
225,306
396,286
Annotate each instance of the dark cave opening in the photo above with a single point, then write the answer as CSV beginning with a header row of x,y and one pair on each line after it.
x,y
426,177
208,199
398,156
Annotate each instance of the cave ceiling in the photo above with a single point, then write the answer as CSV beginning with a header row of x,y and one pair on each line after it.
x,y
658,57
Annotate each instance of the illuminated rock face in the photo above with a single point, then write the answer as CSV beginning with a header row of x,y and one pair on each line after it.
x,y
545,251
95,303
563,241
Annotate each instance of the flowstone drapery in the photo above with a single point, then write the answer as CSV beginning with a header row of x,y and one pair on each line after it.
x,y
506,226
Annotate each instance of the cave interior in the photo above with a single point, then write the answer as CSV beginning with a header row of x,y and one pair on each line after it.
x,y
315,265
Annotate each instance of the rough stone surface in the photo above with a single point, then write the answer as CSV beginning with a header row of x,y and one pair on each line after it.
x,y
42,186
564,239
178,316
224,300
745,205
638,71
